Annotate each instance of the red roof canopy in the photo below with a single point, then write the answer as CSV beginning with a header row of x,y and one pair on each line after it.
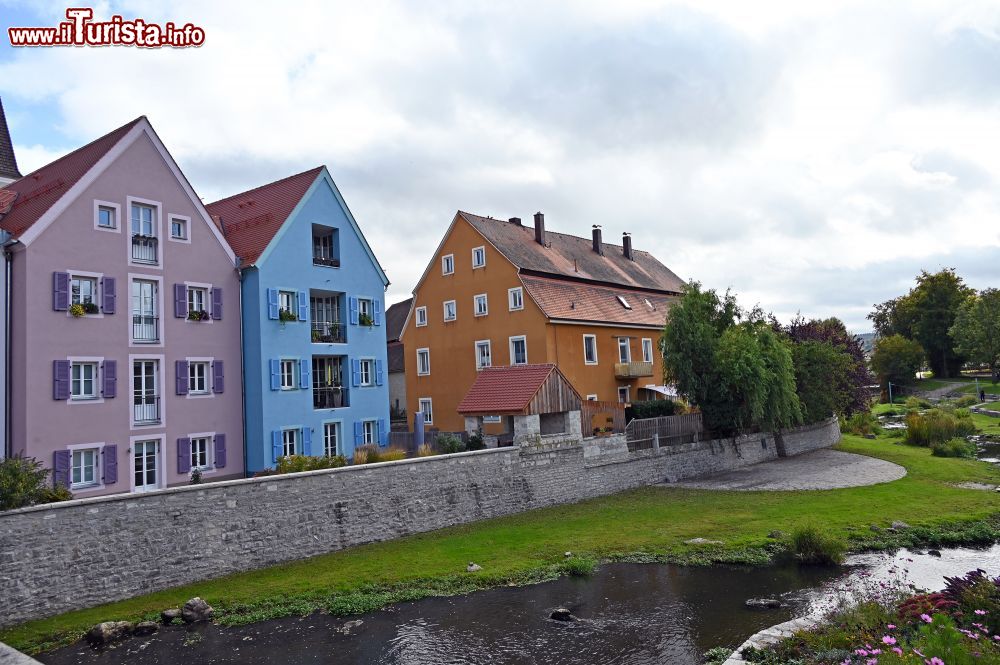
x,y
513,390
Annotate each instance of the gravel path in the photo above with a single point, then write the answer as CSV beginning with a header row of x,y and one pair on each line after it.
x,y
816,470
946,390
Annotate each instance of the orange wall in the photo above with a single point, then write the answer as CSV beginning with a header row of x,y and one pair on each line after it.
x,y
452,344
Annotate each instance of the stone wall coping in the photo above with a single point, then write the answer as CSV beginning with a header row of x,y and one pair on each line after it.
x,y
282,477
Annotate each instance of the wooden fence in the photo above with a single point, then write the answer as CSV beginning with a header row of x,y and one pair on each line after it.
x,y
602,416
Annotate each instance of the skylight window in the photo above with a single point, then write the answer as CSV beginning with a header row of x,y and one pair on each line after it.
x,y
624,302
649,304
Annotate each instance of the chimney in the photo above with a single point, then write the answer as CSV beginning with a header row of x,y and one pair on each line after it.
x,y
598,246
540,228
627,246
515,220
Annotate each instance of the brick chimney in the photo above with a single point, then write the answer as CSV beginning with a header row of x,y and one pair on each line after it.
x,y
540,228
515,220
598,245
627,246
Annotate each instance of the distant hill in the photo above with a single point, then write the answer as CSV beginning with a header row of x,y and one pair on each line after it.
x,y
867,340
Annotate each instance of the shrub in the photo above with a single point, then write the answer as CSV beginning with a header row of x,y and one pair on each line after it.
x,y
195,476
651,409
449,443
23,483
954,448
475,442
914,402
966,401
50,494
298,463
367,454
937,426
425,450
813,546
861,423
579,566
716,656
391,455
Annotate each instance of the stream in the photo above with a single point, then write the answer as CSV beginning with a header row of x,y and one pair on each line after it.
x,y
634,614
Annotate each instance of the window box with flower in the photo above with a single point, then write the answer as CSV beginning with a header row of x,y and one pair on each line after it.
x,y
198,315
286,315
366,320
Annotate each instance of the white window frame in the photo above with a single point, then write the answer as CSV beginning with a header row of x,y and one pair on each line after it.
x,y
369,426
186,222
369,365
628,350
486,304
510,347
209,438
98,362
454,310
424,353
292,363
491,419
587,361
116,207
338,427
204,290
624,303
628,397
647,345
481,250
489,352
366,306
592,397
95,377
429,412
98,483
207,378
421,314
98,277
158,310
291,298
158,233
517,290
161,459
445,260
160,361
292,440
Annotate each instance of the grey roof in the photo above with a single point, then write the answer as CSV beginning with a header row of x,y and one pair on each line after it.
x,y
8,162
395,317
574,257
395,357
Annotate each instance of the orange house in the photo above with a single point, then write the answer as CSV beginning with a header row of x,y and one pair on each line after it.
x,y
497,292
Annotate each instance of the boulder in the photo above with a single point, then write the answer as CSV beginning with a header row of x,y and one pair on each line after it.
x,y
108,632
876,528
473,567
936,553
703,541
168,616
562,614
870,436
196,610
777,534
763,603
348,626
145,628
900,526
567,554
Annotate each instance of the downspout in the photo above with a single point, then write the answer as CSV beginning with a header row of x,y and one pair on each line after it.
x,y
7,243
243,370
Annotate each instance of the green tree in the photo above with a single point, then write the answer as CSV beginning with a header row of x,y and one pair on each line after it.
x,y
896,359
977,329
823,376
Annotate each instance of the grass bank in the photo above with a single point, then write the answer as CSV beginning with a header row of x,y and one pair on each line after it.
x,y
649,524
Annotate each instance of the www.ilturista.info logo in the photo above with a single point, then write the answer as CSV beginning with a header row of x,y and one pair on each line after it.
x,y
82,30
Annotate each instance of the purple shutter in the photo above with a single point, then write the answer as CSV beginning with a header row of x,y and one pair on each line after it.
x,y
60,291
60,379
108,295
183,455
217,304
60,467
110,378
218,377
220,451
181,377
110,464
180,301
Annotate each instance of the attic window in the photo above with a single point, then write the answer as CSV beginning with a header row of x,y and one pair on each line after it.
x,y
624,302
649,304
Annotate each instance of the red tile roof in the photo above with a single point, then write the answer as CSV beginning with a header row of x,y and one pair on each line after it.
x,y
38,191
505,390
579,301
251,219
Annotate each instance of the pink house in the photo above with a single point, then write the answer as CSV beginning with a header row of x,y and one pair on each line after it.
x,y
124,321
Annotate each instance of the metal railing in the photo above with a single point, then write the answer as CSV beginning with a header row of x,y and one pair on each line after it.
x,y
144,249
329,332
651,433
330,398
146,409
145,328
634,370
326,261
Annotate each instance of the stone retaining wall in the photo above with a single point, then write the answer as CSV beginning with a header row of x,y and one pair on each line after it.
x,y
85,552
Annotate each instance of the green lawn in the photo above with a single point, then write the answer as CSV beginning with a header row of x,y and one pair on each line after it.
x,y
654,521
934,384
990,388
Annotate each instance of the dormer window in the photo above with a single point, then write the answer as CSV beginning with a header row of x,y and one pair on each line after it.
x,y
624,302
649,304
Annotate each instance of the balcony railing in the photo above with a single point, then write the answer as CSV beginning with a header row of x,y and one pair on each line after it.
x,y
326,261
329,332
634,370
330,398
146,409
145,328
144,249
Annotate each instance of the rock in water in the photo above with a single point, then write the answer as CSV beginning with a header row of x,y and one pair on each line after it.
x,y
145,628
196,610
108,632
936,553
562,614
763,603
473,567
168,616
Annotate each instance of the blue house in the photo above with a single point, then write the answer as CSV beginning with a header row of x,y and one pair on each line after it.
x,y
314,342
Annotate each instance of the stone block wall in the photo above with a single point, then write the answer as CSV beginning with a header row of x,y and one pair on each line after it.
x,y
85,552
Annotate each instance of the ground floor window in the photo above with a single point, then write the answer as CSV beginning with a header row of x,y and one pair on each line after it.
x,y
85,467
427,408
331,439
623,394
289,438
369,429
199,453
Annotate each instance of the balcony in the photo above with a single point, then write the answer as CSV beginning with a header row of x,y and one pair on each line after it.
x,y
332,397
146,409
329,332
144,249
145,328
636,370
327,261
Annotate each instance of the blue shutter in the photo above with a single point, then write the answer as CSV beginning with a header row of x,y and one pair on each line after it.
x,y
378,372
109,296
60,467
355,372
275,373
305,374
307,439
276,444
303,305
272,304
359,433
383,432
377,312
181,377
110,464
183,455
352,304
220,451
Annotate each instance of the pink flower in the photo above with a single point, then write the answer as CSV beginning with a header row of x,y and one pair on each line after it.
x,y
891,626
934,661
927,618
861,652
980,612
888,639
897,651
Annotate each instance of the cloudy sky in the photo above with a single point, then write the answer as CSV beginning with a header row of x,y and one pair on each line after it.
x,y
813,158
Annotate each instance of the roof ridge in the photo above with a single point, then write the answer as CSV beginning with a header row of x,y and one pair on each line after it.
x,y
548,231
266,185
128,125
